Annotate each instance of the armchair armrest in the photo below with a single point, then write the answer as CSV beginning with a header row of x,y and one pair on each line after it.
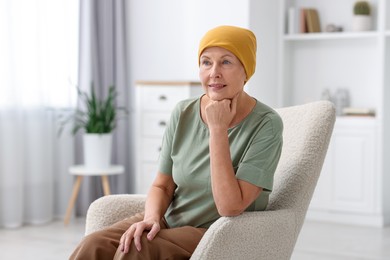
x,y
252,235
110,209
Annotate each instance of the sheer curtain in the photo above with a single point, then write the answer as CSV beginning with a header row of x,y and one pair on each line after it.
x,y
38,73
103,61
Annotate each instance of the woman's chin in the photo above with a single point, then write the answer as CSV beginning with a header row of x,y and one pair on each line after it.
x,y
217,97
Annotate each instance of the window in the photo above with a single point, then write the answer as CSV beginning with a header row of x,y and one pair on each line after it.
x,y
39,53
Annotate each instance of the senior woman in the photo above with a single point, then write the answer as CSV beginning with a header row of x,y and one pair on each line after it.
x,y
218,158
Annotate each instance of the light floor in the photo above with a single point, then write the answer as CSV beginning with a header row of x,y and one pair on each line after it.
x,y
317,241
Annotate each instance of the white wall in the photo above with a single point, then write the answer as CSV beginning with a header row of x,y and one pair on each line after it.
x,y
265,24
164,39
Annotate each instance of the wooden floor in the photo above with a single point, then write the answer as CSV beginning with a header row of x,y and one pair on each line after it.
x,y
317,241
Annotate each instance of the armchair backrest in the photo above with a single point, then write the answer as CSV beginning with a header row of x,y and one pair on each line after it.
x,y
306,135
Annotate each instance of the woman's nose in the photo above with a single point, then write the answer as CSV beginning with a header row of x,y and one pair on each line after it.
x,y
215,71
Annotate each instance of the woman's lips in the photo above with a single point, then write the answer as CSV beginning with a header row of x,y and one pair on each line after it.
x,y
217,86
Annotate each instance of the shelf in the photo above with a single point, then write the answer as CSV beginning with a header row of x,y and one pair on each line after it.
x,y
331,36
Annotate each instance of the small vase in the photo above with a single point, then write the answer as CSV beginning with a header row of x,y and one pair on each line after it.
x,y
361,23
97,150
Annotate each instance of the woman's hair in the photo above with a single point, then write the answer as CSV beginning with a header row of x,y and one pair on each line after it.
x,y
240,41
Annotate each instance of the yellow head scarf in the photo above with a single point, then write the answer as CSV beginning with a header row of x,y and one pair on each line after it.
x,y
241,42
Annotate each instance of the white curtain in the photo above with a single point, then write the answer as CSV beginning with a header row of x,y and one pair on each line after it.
x,y
103,61
38,74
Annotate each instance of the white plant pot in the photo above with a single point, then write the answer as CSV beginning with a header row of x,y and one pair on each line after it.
x,y
361,23
97,150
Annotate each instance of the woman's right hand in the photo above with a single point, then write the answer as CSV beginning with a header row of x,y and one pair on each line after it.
x,y
135,231
219,114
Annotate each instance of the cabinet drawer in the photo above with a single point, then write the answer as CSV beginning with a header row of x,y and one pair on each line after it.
x,y
150,148
153,124
157,98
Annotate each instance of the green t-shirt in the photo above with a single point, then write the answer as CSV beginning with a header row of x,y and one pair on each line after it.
x,y
255,147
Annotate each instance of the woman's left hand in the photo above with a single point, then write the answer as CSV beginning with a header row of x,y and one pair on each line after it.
x,y
219,114
134,232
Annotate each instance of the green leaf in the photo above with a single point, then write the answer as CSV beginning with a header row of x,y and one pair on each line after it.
x,y
95,115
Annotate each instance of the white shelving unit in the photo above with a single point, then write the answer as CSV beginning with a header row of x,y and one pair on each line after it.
x,y
329,36
354,184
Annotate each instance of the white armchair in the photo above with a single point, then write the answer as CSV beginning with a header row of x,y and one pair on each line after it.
x,y
269,234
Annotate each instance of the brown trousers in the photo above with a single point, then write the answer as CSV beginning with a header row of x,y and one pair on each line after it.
x,y
169,243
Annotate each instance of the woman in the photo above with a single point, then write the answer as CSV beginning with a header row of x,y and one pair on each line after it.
x,y
218,158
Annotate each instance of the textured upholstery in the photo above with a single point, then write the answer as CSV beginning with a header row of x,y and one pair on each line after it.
x,y
269,234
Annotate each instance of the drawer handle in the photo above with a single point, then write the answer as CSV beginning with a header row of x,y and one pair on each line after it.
x,y
162,98
162,123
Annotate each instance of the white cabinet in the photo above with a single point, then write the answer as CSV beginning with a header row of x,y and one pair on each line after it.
x,y
154,104
354,184
347,190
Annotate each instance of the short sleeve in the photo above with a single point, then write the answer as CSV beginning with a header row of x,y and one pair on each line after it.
x,y
261,159
165,160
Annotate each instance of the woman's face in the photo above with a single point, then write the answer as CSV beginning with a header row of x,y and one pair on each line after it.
x,y
221,73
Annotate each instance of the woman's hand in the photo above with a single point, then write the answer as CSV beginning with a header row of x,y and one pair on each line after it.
x,y
135,231
220,114
159,197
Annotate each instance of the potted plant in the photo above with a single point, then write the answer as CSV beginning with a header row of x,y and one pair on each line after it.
x,y
98,118
361,16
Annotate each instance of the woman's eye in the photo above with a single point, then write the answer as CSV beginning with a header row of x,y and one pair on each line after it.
x,y
206,62
226,62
